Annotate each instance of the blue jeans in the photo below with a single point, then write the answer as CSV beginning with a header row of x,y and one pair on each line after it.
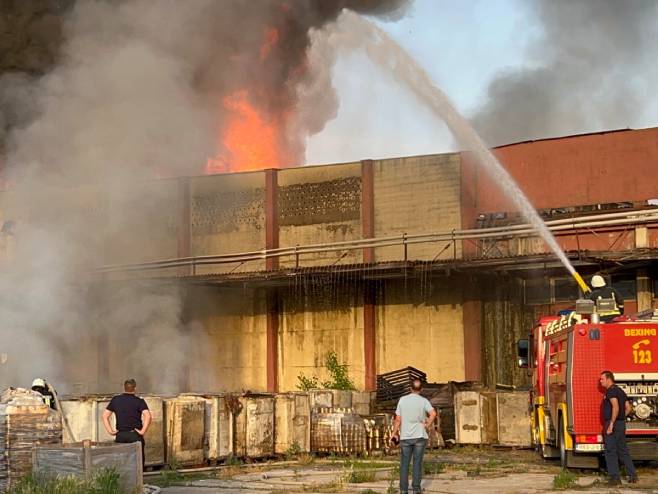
x,y
409,448
616,451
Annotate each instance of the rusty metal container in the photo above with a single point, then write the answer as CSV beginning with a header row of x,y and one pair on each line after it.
x,y
184,422
321,398
475,417
79,418
83,417
341,398
338,430
292,429
254,426
218,434
513,418
379,429
361,402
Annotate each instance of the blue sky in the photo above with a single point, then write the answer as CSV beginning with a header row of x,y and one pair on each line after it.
x,y
462,44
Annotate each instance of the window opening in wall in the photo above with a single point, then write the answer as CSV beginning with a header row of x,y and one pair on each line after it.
x,y
626,285
564,290
538,291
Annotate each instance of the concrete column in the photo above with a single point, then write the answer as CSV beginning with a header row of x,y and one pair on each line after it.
x,y
272,340
472,323
369,348
272,263
369,295
644,292
271,216
368,207
184,223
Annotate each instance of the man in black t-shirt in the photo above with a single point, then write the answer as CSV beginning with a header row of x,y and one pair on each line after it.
x,y
615,409
132,416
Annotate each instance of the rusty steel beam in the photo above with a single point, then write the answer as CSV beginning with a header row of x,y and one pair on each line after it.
x,y
272,264
368,208
369,295
369,337
272,324
271,217
472,326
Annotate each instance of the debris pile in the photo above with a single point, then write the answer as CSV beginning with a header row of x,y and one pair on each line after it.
x,y
25,421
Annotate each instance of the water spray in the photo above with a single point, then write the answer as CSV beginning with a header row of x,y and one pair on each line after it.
x,y
385,52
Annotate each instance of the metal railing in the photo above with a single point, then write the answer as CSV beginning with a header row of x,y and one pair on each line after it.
x,y
452,237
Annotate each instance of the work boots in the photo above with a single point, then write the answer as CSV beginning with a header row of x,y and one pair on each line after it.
x,y
633,479
613,481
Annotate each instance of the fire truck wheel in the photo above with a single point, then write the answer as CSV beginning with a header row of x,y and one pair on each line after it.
x,y
561,443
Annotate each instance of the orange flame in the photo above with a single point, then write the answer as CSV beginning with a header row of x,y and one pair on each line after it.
x,y
271,39
249,141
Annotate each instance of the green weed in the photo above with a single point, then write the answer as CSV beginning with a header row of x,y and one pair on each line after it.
x,y
564,480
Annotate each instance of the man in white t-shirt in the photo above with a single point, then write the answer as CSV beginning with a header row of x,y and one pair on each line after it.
x,y
413,416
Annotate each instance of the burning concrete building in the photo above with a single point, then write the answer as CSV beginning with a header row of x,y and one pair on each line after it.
x,y
413,261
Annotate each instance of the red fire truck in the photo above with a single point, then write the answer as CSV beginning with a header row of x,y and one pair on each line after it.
x,y
566,356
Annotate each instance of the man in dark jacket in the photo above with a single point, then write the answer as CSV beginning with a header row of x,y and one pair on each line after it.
x,y
132,416
615,409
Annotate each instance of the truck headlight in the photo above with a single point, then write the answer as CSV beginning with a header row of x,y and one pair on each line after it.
x,y
643,411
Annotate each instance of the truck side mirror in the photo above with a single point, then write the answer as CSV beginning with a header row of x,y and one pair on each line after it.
x,y
522,353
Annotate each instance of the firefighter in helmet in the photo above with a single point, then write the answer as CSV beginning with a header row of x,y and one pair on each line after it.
x,y
45,390
609,302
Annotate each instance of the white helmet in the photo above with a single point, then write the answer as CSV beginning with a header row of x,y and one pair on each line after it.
x,y
597,281
39,382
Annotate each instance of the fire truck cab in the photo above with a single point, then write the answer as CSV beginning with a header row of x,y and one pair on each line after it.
x,y
566,356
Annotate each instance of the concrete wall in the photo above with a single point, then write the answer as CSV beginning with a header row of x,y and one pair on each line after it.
x,y
230,345
320,204
227,217
418,194
421,326
142,222
314,321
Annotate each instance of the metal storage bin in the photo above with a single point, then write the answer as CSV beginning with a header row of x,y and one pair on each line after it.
x,y
184,430
361,402
254,426
155,446
475,417
513,412
218,433
292,414
321,398
341,398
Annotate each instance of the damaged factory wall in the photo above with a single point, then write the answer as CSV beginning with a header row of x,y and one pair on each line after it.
x,y
418,194
227,216
229,344
504,321
320,316
320,204
142,222
419,322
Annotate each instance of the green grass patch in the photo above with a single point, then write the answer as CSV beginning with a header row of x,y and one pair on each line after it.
x,y
433,468
360,476
564,480
104,481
